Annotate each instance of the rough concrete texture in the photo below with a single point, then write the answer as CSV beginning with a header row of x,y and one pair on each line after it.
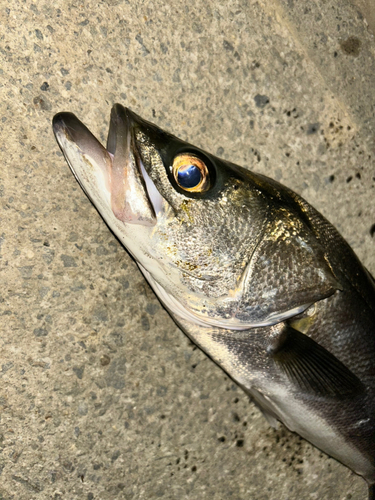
x,y
101,395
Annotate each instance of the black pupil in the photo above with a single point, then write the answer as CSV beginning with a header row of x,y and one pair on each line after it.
x,y
189,176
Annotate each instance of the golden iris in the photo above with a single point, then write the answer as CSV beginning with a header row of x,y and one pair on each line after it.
x,y
191,173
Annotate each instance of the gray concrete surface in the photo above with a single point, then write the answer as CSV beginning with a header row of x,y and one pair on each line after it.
x,y
101,396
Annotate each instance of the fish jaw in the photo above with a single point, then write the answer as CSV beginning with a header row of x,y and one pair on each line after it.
x,y
130,201
114,179
89,161
118,185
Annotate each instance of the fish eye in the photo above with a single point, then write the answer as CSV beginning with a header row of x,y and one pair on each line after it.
x,y
191,173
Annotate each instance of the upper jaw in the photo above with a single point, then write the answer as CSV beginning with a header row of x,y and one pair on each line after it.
x,y
116,174
129,198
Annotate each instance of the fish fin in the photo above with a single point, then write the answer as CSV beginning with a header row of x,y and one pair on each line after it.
x,y
272,421
371,492
264,406
311,367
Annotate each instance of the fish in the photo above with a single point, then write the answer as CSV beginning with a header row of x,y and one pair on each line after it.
x,y
251,272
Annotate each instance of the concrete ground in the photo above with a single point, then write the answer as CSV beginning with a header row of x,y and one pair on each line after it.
x,y
101,395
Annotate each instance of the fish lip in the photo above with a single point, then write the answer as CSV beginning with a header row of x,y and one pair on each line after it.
x,y
121,119
131,195
139,202
124,120
67,127
66,121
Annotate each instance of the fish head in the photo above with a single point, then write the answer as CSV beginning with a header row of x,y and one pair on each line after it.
x,y
192,221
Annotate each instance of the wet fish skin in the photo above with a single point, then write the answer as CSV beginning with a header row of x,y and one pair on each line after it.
x,y
254,275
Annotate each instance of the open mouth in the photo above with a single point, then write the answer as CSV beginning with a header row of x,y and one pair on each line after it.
x,y
116,171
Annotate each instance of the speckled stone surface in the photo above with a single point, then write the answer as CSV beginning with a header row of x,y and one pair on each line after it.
x,y
101,395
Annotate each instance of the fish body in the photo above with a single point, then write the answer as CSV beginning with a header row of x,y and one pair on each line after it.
x,y
252,273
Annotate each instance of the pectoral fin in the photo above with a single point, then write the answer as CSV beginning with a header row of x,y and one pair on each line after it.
x,y
311,367
264,406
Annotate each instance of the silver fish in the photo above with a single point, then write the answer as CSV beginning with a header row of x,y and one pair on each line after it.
x,y
253,274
